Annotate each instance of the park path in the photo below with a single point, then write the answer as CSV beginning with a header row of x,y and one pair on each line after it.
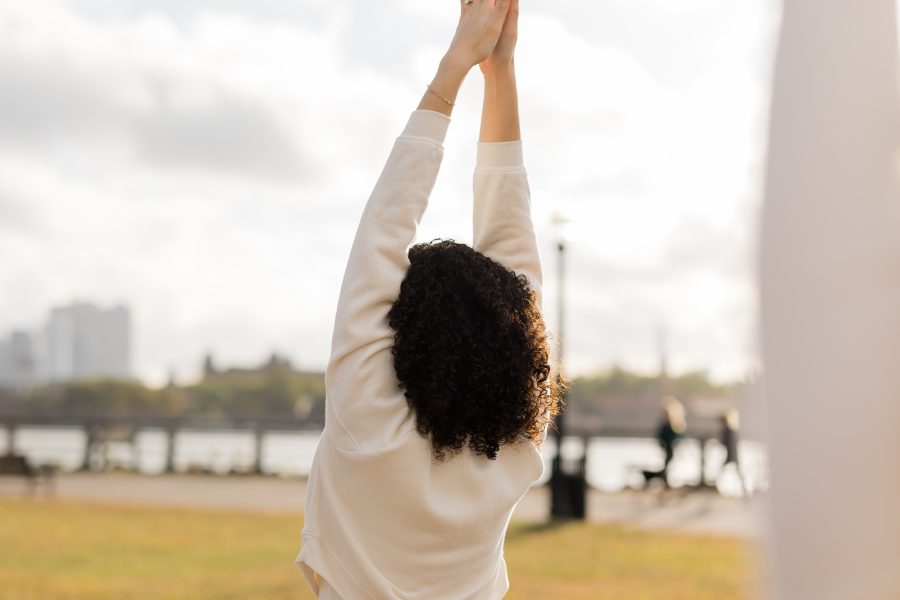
x,y
699,512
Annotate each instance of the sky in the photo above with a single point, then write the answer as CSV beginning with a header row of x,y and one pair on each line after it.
x,y
205,162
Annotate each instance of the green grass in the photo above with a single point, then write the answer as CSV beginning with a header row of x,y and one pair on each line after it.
x,y
59,550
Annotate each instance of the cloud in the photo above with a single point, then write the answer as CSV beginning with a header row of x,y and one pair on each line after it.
x,y
77,83
16,217
206,162
234,134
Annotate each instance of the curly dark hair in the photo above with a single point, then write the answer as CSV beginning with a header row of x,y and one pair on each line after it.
x,y
470,351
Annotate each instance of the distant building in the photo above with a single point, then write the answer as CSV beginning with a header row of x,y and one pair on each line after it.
x,y
20,360
275,362
85,342
209,368
79,341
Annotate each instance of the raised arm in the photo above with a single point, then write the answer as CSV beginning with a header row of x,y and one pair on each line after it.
x,y
364,406
503,229
500,109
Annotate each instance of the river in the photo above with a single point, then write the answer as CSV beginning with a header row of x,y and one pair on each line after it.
x,y
613,464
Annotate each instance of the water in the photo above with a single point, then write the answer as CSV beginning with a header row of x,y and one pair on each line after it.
x,y
613,464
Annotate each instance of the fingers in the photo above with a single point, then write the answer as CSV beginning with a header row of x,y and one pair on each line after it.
x,y
493,5
497,9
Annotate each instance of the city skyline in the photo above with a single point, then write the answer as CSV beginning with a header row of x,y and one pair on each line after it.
x,y
42,347
206,164
74,342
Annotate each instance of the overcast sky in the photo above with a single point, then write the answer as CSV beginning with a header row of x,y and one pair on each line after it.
x,y
205,162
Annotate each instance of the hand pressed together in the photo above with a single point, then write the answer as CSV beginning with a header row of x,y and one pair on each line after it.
x,y
504,52
486,35
480,28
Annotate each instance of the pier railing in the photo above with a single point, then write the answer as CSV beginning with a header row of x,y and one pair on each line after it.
x,y
101,429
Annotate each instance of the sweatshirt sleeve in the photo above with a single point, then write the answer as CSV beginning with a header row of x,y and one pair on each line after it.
x,y
503,229
364,405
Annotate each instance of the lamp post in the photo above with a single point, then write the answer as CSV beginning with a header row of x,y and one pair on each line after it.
x,y
567,489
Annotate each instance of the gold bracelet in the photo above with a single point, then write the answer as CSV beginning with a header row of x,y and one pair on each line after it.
x,y
432,90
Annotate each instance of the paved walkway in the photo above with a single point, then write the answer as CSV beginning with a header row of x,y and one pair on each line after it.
x,y
699,512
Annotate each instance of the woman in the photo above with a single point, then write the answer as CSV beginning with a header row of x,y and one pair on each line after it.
x,y
439,388
730,423
671,428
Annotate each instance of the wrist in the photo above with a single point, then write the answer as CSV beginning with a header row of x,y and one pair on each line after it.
x,y
441,94
455,65
494,71
450,75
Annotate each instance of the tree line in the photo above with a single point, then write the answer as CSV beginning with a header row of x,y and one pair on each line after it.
x,y
285,393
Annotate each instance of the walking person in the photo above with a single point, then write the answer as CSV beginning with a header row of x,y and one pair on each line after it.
x,y
729,437
438,386
671,429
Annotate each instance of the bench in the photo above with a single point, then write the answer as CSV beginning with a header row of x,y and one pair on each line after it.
x,y
16,465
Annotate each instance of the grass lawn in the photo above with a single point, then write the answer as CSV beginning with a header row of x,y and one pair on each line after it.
x,y
59,549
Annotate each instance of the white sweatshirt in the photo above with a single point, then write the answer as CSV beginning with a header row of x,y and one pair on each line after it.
x,y
383,519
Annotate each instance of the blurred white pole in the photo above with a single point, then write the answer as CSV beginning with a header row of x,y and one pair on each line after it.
x,y
830,286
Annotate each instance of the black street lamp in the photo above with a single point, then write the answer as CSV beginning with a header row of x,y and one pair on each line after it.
x,y
568,483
